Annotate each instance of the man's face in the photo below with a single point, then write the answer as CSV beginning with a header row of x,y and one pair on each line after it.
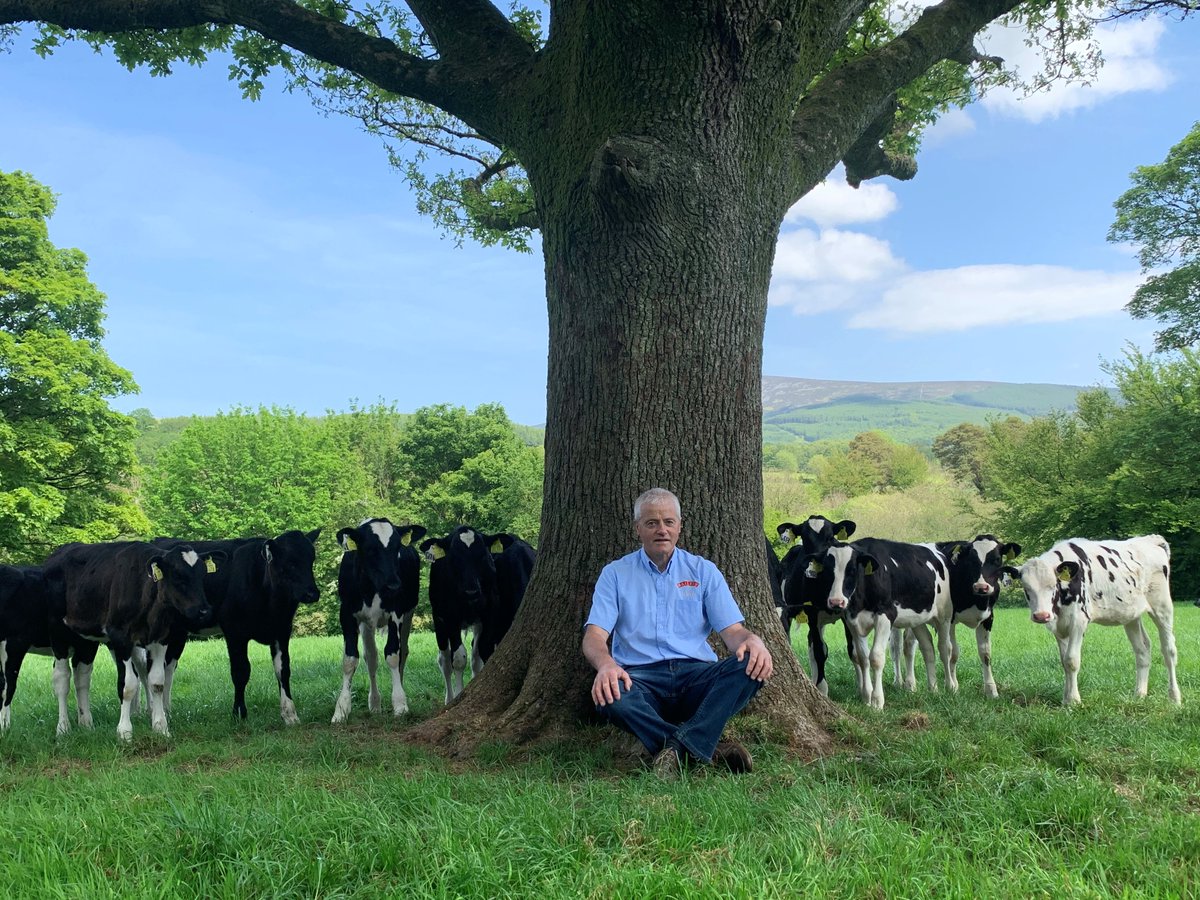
x,y
658,530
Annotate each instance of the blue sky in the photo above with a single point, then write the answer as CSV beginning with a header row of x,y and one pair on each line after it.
x,y
259,253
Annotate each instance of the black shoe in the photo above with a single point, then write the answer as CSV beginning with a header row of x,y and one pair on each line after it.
x,y
733,756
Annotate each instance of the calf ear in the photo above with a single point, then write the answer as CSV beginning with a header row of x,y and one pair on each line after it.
x,y
498,543
345,538
843,529
787,532
211,560
154,569
411,533
1012,572
868,563
313,535
1067,571
1010,551
813,569
955,551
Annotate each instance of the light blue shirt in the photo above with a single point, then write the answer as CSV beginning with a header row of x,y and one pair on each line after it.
x,y
655,615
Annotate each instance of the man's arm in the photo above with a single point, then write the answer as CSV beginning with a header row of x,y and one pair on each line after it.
x,y
607,686
740,641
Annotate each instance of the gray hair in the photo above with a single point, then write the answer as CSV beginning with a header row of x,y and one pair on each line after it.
x,y
655,495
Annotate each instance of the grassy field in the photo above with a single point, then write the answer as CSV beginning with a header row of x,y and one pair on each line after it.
x,y
937,796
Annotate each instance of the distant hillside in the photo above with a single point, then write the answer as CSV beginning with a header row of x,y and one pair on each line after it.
x,y
805,409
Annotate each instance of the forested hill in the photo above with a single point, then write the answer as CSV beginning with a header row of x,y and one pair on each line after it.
x,y
908,411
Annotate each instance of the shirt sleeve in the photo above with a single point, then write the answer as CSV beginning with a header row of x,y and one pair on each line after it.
x,y
604,601
719,606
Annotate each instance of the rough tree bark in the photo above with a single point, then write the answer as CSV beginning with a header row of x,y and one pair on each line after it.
x,y
664,142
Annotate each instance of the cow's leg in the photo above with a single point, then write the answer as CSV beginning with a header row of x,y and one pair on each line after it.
x,y
818,654
283,674
341,709
948,650
174,652
127,691
908,657
239,671
82,659
862,661
925,642
452,660
1068,653
897,651
1163,614
156,678
62,687
476,658
371,656
879,647
395,657
141,667
1140,641
11,657
983,642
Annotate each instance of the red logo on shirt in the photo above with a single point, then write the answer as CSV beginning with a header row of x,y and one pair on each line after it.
x,y
688,584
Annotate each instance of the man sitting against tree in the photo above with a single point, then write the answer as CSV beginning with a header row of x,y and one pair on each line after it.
x,y
662,682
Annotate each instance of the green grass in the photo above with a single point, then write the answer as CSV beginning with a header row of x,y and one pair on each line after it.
x,y
936,796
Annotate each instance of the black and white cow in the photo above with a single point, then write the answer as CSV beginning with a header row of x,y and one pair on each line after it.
x,y
126,595
1078,582
878,585
976,571
464,594
514,560
378,585
254,595
24,628
806,595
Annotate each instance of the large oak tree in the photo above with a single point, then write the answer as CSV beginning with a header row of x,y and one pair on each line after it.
x,y
656,145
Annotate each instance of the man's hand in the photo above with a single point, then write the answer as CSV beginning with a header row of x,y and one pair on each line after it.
x,y
606,688
760,667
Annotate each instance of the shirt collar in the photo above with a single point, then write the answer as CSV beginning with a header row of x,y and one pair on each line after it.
x,y
648,562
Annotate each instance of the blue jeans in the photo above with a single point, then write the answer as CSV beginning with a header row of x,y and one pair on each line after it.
x,y
683,703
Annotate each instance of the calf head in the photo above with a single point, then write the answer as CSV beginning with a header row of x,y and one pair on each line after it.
x,y
290,559
837,574
178,582
1049,585
816,532
977,566
378,545
466,556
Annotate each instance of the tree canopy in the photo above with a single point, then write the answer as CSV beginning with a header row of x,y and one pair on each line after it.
x,y
66,457
1160,215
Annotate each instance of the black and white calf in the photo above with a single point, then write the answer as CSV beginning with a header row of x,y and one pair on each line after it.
x,y
1078,582
806,595
254,595
378,585
126,595
976,570
514,560
464,594
877,585
25,627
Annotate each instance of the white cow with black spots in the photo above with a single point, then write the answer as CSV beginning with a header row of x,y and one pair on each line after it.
x,y
1078,582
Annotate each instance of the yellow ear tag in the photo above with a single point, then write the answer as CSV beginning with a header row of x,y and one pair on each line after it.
x,y
815,568
210,566
497,547
869,568
349,544
1010,556
842,535
407,539
156,572
955,552
1063,575
437,551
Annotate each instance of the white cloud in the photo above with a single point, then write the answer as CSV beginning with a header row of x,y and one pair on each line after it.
x,y
847,257
950,125
990,295
834,202
1128,48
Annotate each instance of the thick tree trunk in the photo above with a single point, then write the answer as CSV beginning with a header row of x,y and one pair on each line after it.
x,y
659,223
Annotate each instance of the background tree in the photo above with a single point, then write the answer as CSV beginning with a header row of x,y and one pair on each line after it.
x,y
1160,214
871,462
1110,469
66,457
961,450
657,148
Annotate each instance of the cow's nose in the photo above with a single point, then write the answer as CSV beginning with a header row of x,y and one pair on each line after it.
x,y
983,589
1041,617
837,604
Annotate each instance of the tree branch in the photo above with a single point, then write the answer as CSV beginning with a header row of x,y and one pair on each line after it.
x,y
866,159
475,90
468,30
853,100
